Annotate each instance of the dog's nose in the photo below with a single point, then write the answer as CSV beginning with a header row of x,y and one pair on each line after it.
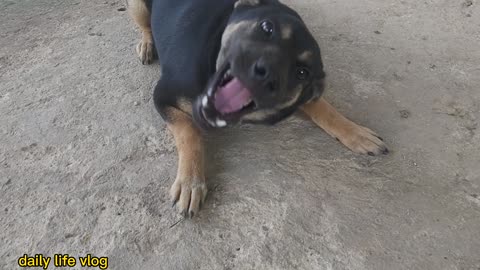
x,y
260,70
263,73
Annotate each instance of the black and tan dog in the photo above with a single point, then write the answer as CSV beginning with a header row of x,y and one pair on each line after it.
x,y
233,61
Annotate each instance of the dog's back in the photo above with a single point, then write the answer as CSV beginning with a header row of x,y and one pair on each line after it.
x,y
180,28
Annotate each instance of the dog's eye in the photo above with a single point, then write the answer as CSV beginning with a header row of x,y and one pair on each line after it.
x,y
302,74
267,27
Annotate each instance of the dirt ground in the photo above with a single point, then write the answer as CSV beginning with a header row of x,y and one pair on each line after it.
x,y
86,162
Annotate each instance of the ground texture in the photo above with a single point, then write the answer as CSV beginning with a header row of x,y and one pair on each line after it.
x,y
86,162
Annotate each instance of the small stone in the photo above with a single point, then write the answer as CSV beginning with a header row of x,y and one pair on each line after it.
x,y
397,77
377,32
468,3
404,114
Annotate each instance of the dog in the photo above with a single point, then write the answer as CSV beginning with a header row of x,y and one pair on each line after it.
x,y
225,62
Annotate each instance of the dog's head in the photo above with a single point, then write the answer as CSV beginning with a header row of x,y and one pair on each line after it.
x,y
269,64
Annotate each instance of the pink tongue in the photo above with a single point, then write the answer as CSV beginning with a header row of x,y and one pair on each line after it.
x,y
232,97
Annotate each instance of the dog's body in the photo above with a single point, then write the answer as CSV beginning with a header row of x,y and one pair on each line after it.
x,y
230,61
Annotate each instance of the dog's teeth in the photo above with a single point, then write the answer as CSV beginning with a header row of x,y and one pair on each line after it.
x,y
205,101
247,103
228,75
221,123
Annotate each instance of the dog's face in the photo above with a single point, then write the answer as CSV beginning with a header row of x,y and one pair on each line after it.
x,y
268,65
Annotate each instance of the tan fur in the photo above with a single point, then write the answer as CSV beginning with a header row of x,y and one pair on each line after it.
x,y
357,138
259,115
306,56
262,114
140,14
189,189
247,2
296,93
185,105
287,31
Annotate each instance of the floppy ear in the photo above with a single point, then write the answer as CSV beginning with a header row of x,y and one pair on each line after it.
x,y
251,2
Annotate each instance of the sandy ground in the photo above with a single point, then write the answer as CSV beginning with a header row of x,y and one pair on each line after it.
x,y
86,162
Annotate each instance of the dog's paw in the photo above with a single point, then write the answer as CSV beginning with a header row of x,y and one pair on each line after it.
x,y
363,140
188,194
145,51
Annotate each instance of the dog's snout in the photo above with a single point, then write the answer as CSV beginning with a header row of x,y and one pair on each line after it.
x,y
260,70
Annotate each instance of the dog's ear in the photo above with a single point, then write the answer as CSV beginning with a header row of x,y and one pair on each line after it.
x,y
252,2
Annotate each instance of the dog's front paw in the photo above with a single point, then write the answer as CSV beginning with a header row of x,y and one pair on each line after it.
x,y
188,193
362,140
145,51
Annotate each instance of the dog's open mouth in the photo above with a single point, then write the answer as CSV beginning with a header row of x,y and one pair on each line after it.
x,y
227,100
231,96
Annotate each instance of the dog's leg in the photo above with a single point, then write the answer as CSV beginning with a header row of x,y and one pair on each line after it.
x,y
139,12
357,138
189,189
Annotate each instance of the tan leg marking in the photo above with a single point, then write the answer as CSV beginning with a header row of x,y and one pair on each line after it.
x,y
189,189
140,14
357,138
